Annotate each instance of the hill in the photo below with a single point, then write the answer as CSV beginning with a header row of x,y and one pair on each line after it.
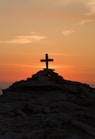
x,y
46,106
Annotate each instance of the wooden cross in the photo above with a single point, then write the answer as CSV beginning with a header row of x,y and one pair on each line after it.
x,y
46,60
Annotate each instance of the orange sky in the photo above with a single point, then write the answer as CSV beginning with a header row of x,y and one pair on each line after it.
x,y
63,29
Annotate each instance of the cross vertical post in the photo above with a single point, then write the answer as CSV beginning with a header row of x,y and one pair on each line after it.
x,y
46,61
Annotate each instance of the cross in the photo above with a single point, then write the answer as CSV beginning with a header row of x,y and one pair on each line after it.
x,y
46,60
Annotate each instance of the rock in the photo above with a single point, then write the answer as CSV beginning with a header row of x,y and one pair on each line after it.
x,y
88,129
46,106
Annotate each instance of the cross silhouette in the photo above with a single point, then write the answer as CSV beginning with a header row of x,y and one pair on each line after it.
x,y
47,60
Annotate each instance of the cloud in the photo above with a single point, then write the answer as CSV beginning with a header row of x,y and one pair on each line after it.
x,y
25,39
67,2
85,22
68,32
57,54
91,6
20,65
86,7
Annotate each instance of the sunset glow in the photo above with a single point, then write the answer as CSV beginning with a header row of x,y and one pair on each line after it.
x,y
64,29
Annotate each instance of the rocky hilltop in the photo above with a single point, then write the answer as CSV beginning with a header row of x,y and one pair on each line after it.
x,y
46,106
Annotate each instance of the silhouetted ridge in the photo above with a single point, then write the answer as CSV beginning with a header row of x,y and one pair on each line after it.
x,y
43,80
47,79
46,106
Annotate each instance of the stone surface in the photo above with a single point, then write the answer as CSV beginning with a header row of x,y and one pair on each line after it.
x,y
63,109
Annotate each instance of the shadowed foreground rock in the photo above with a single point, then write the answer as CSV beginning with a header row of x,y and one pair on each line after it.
x,y
47,107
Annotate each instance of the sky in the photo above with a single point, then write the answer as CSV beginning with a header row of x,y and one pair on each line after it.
x,y
65,29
